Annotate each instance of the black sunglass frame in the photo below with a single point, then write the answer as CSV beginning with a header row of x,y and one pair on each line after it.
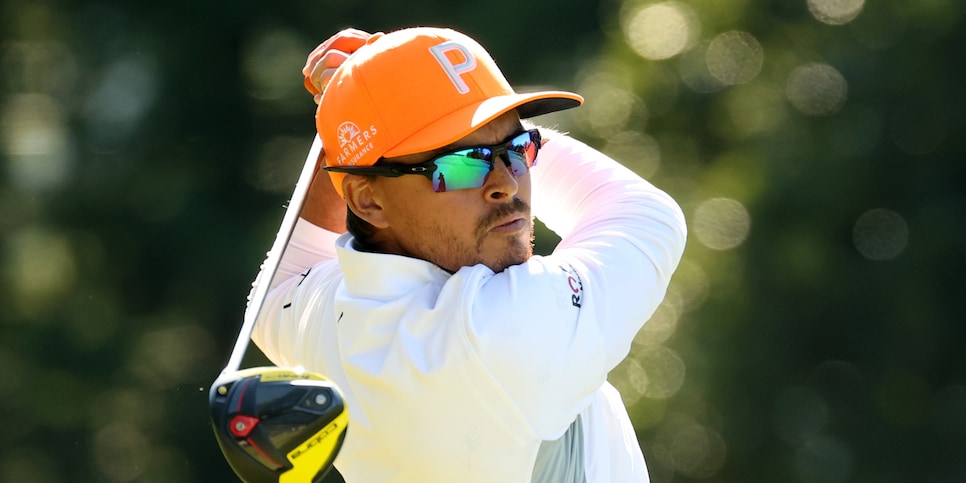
x,y
428,167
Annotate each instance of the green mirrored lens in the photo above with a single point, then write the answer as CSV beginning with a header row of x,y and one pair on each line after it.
x,y
462,170
468,168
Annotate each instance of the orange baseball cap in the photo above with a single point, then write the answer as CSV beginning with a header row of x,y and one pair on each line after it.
x,y
416,90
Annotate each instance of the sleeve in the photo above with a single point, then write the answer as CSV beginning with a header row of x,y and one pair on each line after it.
x,y
308,246
551,329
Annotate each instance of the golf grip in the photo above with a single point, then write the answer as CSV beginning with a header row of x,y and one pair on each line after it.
x,y
274,258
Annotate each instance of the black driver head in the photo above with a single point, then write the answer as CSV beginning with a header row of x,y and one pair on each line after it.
x,y
278,425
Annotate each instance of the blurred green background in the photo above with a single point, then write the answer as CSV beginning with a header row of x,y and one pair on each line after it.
x,y
814,332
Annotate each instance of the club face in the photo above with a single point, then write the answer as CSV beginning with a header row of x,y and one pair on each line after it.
x,y
277,425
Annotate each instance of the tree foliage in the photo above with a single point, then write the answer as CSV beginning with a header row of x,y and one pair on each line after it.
x,y
810,335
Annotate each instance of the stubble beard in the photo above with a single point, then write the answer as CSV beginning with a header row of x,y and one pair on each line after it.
x,y
519,251
519,248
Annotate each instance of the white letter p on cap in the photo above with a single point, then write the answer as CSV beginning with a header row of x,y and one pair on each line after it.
x,y
454,71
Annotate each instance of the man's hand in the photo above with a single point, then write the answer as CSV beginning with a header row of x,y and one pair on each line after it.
x,y
323,205
328,56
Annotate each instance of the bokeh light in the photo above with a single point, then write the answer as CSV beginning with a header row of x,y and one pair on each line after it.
x,y
665,371
652,372
835,12
816,89
268,58
695,72
635,150
824,459
35,142
734,57
126,405
630,378
880,234
174,353
40,267
662,30
122,452
721,223
698,451
126,90
690,286
610,104
689,447
39,67
661,326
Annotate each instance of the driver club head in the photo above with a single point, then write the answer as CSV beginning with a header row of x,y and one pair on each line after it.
x,y
277,425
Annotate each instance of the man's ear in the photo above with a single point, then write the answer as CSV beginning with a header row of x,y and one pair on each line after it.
x,y
361,198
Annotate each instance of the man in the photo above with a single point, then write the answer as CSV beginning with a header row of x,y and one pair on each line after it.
x,y
462,357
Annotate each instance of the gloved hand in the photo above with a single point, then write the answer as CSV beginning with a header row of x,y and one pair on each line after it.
x,y
323,205
328,56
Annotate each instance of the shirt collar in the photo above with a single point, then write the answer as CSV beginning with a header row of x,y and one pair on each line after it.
x,y
383,275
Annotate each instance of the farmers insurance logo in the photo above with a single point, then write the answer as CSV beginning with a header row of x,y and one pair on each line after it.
x,y
354,143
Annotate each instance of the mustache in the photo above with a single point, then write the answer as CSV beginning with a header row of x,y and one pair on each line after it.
x,y
516,205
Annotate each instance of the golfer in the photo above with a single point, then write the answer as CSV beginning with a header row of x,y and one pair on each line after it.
x,y
462,356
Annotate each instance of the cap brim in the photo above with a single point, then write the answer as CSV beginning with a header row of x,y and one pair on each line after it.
x,y
460,123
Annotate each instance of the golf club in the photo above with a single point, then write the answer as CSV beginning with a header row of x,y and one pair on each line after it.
x,y
280,425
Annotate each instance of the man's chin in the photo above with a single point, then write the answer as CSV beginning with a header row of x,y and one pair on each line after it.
x,y
509,258
507,252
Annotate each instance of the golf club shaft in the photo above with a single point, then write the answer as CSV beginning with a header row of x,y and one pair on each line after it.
x,y
274,258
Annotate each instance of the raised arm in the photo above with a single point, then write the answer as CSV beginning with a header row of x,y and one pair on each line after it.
x,y
323,215
550,330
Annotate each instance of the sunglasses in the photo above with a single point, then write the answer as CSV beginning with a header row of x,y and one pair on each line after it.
x,y
462,169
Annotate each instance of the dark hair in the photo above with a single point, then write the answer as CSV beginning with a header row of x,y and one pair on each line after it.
x,y
362,231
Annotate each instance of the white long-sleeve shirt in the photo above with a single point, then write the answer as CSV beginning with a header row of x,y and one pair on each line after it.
x,y
483,376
